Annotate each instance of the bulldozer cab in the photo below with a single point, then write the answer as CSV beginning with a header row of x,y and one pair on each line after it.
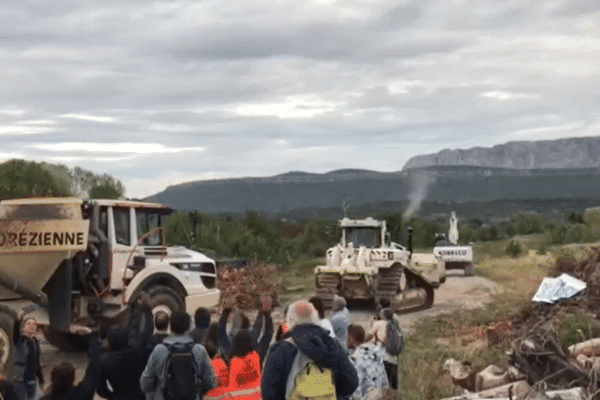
x,y
363,233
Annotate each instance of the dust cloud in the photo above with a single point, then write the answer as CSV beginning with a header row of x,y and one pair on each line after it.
x,y
420,182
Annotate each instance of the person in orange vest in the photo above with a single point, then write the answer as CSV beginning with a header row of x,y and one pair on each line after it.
x,y
221,371
244,369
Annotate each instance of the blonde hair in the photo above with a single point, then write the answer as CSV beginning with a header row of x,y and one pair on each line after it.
x,y
301,312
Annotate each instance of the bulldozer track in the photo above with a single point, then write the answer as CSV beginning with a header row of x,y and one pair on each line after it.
x,y
388,280
325,289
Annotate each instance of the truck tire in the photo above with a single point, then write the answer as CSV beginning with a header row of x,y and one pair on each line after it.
x,y
66,341
7,346
164,298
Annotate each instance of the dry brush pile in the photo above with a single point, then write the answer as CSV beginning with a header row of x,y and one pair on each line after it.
x,y
246,284
537,350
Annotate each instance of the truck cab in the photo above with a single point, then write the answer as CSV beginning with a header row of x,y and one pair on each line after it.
x,y
128,236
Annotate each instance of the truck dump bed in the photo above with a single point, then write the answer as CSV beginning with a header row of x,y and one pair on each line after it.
x,y
36,235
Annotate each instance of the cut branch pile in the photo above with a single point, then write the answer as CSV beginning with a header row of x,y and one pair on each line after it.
x,y
247,284
536,350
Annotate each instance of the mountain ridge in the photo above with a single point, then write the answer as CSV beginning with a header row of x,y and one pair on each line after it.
x,y
446,176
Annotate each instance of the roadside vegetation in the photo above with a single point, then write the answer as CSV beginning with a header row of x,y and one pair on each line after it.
x,y
460,335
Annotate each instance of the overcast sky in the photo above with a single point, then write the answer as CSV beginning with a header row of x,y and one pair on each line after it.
x,y
157,93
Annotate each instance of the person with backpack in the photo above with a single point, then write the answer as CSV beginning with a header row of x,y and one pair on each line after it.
x,y
386,332
368,361
307,363
178,368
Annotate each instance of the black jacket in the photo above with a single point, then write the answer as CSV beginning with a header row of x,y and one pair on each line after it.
x,y
86,388
316,344
122,368
27,356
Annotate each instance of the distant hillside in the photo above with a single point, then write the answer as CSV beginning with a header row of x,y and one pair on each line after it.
x,y
282,193
548,154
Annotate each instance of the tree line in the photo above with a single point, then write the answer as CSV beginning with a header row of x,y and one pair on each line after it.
x,y
22,178
268,239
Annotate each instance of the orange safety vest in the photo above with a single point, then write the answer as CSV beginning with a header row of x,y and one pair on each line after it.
x,y
245,378
222,374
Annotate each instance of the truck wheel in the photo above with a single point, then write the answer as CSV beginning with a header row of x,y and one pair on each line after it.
x,y
163,298
66,341
7,347
469,270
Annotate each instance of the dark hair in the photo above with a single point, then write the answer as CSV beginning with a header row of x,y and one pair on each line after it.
x,y
62,377
213,333
242,344
384,303
211,348
245,322
318,303
161,320
202,317
117,338
180,322
356,332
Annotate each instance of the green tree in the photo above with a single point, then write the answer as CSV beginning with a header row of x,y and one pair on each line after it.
x,y
20,178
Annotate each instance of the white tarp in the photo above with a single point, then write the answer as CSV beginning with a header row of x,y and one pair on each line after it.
x,y
552,290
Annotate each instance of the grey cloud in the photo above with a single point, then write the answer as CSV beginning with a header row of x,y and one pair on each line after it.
x,y
575,8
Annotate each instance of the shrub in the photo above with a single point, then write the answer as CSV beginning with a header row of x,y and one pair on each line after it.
x,y
514,248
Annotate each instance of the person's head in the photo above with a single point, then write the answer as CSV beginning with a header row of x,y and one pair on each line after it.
x,y
117,338
318,303
202,318
62,377
211,348
161,320
355,336
242,344
383,303
180,322
338,303
29,327
387,314
213,332
301,312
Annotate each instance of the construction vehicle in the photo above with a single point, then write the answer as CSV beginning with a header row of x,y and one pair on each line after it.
x,y
455,255
84,262
366,264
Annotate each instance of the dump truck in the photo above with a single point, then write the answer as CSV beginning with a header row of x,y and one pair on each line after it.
x,y
455,255
84,262
367,265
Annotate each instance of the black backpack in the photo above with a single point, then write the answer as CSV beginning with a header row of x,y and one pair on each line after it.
x,y
181,373
394,342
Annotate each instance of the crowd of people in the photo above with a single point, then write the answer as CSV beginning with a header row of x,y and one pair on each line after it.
x,y
162,357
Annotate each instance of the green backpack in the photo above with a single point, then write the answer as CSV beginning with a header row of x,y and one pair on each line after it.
x,y
313,383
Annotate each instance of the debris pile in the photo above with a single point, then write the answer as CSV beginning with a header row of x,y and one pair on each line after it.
x,y
247,284
541,366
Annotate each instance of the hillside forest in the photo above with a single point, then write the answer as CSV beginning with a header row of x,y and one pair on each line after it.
x,y
270,238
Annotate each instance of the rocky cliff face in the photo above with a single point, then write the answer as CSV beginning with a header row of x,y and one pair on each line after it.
x,y
555,154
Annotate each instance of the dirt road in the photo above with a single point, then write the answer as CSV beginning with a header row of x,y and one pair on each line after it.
x,y
459,292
